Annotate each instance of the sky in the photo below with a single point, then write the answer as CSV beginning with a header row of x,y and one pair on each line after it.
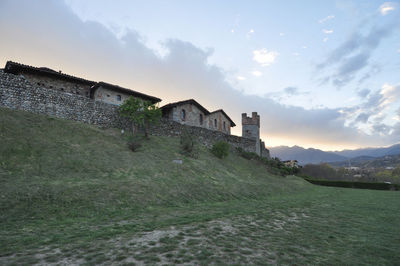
x,y
321,74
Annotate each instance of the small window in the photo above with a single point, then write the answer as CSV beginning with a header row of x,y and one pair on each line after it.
x,y
215,123
183,115
201,119
51,87
62,89
224,125
118,98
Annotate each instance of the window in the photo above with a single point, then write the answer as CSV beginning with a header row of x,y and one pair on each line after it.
x,y
118,98
224,125
183,115
201,119
215,123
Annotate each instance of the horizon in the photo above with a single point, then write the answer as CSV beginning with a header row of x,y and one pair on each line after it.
x,y
320,75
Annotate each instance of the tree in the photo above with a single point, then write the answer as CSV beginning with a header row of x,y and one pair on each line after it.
x,y
141,113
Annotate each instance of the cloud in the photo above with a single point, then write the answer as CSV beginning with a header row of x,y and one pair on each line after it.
x,y
363,93
362,118
241,78
327,31
326,19
390,94
265,57
386,7
256,73
354,54
291,90
281,34
48,33
325,39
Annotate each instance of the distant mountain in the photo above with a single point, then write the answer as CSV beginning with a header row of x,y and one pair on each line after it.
x,y
304,156
373,152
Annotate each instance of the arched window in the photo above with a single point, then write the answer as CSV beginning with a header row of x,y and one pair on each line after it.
x,y
201,119
118,98
183,115
224,125
215,123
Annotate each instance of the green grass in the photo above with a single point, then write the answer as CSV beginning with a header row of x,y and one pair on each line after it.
x,y
73,193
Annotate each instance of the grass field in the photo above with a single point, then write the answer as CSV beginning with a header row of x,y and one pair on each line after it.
x,y
75,194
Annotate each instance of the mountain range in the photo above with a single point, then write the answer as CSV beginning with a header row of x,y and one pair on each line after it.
x,y
306,156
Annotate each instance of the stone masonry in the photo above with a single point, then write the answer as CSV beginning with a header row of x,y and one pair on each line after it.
x,y
16,92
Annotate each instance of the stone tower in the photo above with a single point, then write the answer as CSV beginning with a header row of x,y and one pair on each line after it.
x,y
251,129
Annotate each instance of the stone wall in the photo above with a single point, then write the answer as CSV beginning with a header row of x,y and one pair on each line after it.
x,y
205,136
16,92
58,84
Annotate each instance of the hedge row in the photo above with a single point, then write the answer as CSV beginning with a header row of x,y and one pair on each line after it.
x,y
354,184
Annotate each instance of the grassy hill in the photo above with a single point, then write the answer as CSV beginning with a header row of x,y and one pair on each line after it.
x,y
72,193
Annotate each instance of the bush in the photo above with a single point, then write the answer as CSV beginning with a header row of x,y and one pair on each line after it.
x,y
188,144
220,149
247,155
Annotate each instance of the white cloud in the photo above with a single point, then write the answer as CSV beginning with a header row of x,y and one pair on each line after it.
x,y
304,47
241,78
398,50
232,30
281,34
325,39
256,73
390,94
326,19
386,8
296,54
327,31
264,57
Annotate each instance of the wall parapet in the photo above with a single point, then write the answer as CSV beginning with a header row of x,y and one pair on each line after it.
x,y
18,93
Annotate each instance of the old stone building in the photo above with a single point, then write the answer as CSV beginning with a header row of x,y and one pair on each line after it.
x,y
220,121
114,94
251,130
50,79
191,113
188,112
46,91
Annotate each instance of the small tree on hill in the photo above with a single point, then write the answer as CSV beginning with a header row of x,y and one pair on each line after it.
x,y
141,113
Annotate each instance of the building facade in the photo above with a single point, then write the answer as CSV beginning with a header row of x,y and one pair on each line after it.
x,y
50,79
191,113
114,94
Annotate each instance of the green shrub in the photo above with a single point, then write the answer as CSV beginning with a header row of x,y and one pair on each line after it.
x,y
248,155
220,149
188,144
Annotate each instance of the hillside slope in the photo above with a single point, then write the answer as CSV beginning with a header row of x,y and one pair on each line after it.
x,y
66,165
73,194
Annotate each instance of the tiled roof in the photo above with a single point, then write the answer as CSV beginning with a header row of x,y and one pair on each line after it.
x,y
124,90
190,101
16,68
